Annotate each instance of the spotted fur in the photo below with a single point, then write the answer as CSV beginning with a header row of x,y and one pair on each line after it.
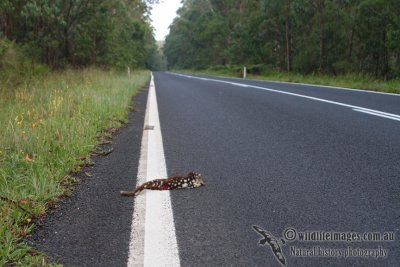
x,y
191,180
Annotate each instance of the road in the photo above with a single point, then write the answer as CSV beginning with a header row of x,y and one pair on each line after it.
x,y
277,155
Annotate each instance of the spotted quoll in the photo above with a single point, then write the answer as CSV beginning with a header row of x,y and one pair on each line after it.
x,y
191,180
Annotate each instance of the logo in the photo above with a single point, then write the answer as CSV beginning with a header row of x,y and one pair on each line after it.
x,y
292,235
273,242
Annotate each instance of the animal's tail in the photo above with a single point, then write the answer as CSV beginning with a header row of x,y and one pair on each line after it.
x,y
132,192
128,193
152,185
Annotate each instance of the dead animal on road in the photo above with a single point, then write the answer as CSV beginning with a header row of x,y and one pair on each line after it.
x,y
191,180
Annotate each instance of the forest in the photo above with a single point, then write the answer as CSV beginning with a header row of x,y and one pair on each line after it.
x,y
330,37
79,33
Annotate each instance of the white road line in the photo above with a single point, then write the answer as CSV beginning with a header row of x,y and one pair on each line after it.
x,y
334,87
379,114
355,108
153,240
311,85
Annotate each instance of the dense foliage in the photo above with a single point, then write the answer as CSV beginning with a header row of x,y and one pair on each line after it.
x,y
80,32
306,36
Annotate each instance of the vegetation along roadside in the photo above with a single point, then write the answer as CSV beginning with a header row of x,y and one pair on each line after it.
x,y
354,81
49,126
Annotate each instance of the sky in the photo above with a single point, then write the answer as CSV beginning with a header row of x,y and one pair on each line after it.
x,y
162,16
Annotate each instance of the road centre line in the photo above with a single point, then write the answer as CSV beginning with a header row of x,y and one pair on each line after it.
x,y
353,107
153,240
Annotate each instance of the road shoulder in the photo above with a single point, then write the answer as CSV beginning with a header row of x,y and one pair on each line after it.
x,y
91,228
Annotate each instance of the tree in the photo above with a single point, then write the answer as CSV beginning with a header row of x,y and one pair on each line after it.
x,y
81,32
306,36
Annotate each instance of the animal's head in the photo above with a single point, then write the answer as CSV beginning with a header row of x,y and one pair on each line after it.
x,y
197,179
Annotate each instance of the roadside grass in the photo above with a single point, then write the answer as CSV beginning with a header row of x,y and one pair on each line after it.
x,y
354,81
49,126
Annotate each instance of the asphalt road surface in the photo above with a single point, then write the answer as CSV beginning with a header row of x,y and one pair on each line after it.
x,y
291,159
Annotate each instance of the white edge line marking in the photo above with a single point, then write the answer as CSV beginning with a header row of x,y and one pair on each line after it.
x,y
355,108
158,246
378,114
309,84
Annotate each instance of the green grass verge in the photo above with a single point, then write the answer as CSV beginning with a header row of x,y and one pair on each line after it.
x,y
355,81
49,126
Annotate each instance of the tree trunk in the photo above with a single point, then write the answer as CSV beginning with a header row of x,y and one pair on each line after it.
x,y
287,35
350,54
241,10
66,44
385,69
6,25
321,36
